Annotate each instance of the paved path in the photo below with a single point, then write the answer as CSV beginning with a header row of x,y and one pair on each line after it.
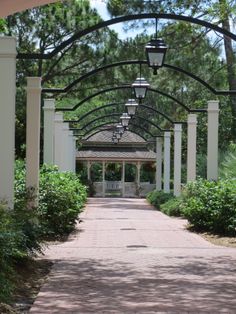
x,y
128,258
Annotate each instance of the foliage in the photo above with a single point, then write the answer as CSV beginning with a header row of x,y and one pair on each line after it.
x,y
211,206
156,198
61,198
228,165
173,207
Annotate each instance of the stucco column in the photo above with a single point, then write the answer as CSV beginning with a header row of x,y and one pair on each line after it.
x,y
167,162
48,131
58,135
33,112
88,170
158,164
7,118
103,179
65,148
177,158
74,154
123,178
212,139
191,147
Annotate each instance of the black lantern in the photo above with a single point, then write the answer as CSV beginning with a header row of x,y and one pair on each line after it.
x,y
120,128
125,119
131,106
156,51
140,87
115,140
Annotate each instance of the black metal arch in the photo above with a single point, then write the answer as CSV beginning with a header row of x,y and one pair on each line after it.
x,y
129,62
128,87
118,115
108,129
125,19
120,103
117,121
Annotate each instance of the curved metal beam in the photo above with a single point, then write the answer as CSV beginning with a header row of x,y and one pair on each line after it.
x,y
117,121
118,115
120,103
126,18
128,87
129,62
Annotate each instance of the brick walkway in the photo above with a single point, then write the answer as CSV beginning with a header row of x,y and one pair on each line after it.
x,y
128,258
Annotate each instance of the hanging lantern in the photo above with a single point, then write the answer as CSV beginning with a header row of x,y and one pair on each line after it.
x,y
156,51
140,87
125,119
131,106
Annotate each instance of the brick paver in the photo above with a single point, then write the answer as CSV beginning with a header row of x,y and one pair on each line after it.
x,y
128,258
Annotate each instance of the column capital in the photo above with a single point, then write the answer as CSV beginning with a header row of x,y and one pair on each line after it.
x,y
34,84
8,47
58,117
192,118
167,134
178,127
213,106
49,104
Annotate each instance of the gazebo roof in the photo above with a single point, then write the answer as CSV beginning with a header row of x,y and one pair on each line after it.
x,y
132,147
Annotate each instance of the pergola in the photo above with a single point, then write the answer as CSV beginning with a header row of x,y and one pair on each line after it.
x,y
59,141
132,149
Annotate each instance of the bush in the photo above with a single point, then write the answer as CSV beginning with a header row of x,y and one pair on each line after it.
x,y
172,207
156,198
211,206
228,165
61,198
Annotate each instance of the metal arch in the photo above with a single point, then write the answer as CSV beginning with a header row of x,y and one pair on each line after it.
x,y
129,62
119,114
128,87
117,121
110,129
120,103
126,18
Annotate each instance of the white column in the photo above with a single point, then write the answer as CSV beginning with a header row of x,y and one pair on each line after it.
x,y
138,166
74,155
48,131
212,139
103,179
123,178
33,112
158,164
65,148
7,118
167,162
191,147
58,135
88,170
71,153
177,158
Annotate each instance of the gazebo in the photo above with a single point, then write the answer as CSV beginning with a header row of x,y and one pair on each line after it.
x,y
132,149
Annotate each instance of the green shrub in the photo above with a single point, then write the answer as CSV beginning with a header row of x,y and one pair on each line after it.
x,y
211,206
172,207
156,198
61,198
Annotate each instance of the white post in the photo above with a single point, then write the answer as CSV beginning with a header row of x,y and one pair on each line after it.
x,y
123,178
74,155
65,148
71,153
191,147
33,135
103,179
58,135
48,131
7,118
177,158
167,162
158,164
88,170
212,140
